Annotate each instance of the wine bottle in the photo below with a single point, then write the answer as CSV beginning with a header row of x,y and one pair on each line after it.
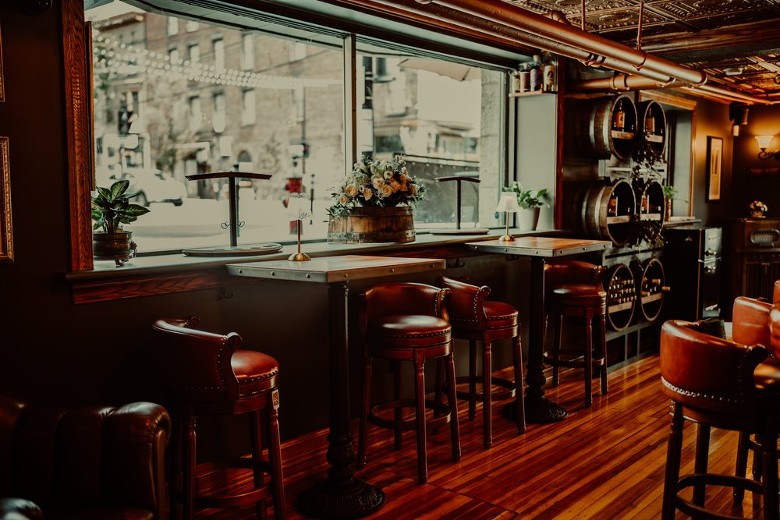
x,y
619,117
536,73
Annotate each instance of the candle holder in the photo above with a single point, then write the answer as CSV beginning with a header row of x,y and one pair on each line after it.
x,y
508,204
298,212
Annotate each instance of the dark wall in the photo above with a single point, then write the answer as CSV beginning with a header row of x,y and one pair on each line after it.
x,y
756,179
712,120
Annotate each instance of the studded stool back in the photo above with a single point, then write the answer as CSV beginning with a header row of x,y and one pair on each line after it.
x,y
206,374
407,322
475,318
574,289
711,382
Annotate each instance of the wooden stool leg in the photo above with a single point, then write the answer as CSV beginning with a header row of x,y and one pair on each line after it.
x,y
472,379
453,403
399,412
517,351
701,461
188,479
603,353
769,458
175,489
588,358
256,442
487,401
672,474
275,458
741,466
419,391
361,454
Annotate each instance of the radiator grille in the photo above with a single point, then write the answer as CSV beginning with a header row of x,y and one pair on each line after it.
x,y
761,271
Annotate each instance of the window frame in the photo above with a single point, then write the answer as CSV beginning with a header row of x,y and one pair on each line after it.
x,y
78,88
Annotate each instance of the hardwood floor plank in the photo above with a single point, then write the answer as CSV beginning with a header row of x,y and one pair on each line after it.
x,y
604,462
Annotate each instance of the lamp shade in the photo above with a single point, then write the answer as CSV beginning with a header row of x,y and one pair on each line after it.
x,y
764,140
508,203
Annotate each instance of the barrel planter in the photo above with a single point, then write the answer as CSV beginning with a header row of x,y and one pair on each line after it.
x,y
595,130
367,225
652,287
652,120
621,296
608,211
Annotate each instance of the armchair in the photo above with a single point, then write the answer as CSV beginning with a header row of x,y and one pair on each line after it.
x,y
84,463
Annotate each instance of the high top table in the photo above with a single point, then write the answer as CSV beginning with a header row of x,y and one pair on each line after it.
x,y
340,495
539,409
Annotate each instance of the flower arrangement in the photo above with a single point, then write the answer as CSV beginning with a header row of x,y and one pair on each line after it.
x,y
527,198
757,209
376,183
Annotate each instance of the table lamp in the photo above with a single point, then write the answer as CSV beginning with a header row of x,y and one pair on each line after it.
x,y
507,204
298,212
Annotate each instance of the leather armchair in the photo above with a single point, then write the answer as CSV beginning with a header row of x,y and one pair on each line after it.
x,y
84,463
750,321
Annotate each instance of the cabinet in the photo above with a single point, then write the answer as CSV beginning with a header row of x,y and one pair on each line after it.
x,y
692,260
754,256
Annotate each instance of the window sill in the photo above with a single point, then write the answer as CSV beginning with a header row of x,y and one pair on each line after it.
x,y
167,274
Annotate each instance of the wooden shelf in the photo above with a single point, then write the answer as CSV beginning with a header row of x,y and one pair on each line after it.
x,y
654,138
620,307
621,135
620,219
652,298
529,94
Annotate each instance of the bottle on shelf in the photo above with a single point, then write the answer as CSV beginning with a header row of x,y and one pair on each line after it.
x,y
548,74
612,206
536,74
523,79
619,117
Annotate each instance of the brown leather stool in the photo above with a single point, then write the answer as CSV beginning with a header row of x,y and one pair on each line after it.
x,y
206,374
474,318
407,322
711,382
574,289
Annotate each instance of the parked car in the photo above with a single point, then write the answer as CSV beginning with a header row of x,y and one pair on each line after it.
x,y
152,185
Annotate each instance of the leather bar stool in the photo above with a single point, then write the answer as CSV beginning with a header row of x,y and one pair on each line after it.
x,y
408,322
474,318
776,292
711,381
207,374
573,289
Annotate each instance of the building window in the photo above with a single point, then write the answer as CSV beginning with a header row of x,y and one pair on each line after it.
x,y
191,26
193,53
284,108
219,54
173,26
248,107
248,51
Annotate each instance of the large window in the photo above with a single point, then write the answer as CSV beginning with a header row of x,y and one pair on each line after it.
x,y
268,102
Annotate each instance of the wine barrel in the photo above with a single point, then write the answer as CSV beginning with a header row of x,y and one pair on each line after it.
x,y
650,200
595,130
652,286
608,210
366,225
621,296
652,120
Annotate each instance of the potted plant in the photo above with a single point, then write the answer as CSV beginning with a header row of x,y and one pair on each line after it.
x,y
670,193
374,203
531,200
111,207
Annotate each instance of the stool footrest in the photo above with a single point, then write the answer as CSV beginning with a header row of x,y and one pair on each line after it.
x,y
507,391
713,479
409,423
578,361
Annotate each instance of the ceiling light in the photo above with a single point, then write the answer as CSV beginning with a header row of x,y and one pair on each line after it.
x,y
732,71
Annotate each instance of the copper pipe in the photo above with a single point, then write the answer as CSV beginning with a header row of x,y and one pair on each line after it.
x,y
513,16
623,82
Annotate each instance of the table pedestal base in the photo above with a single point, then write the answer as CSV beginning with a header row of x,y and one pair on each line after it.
x,y
539,411
331,499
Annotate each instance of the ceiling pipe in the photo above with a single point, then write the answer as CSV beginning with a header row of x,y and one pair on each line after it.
x,y
427,13
620,82
443,18
513,16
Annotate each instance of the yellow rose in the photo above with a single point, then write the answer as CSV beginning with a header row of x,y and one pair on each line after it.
x,y
351,190
367,193
386,190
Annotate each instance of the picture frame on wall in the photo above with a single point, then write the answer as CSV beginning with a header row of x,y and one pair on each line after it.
x,y
2,81
6,235
714,165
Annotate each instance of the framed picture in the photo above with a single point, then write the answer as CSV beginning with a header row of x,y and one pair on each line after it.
x,y
714,163
6,237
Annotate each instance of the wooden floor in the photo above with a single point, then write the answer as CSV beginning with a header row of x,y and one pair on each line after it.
x,y
605,462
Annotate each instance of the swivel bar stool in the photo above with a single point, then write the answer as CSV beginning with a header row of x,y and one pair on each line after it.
x,y
474,318
407,322
711,381
206,374
574,289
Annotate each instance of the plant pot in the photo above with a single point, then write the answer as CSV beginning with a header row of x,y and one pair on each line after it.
x,y
117,246
367,225
528,219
